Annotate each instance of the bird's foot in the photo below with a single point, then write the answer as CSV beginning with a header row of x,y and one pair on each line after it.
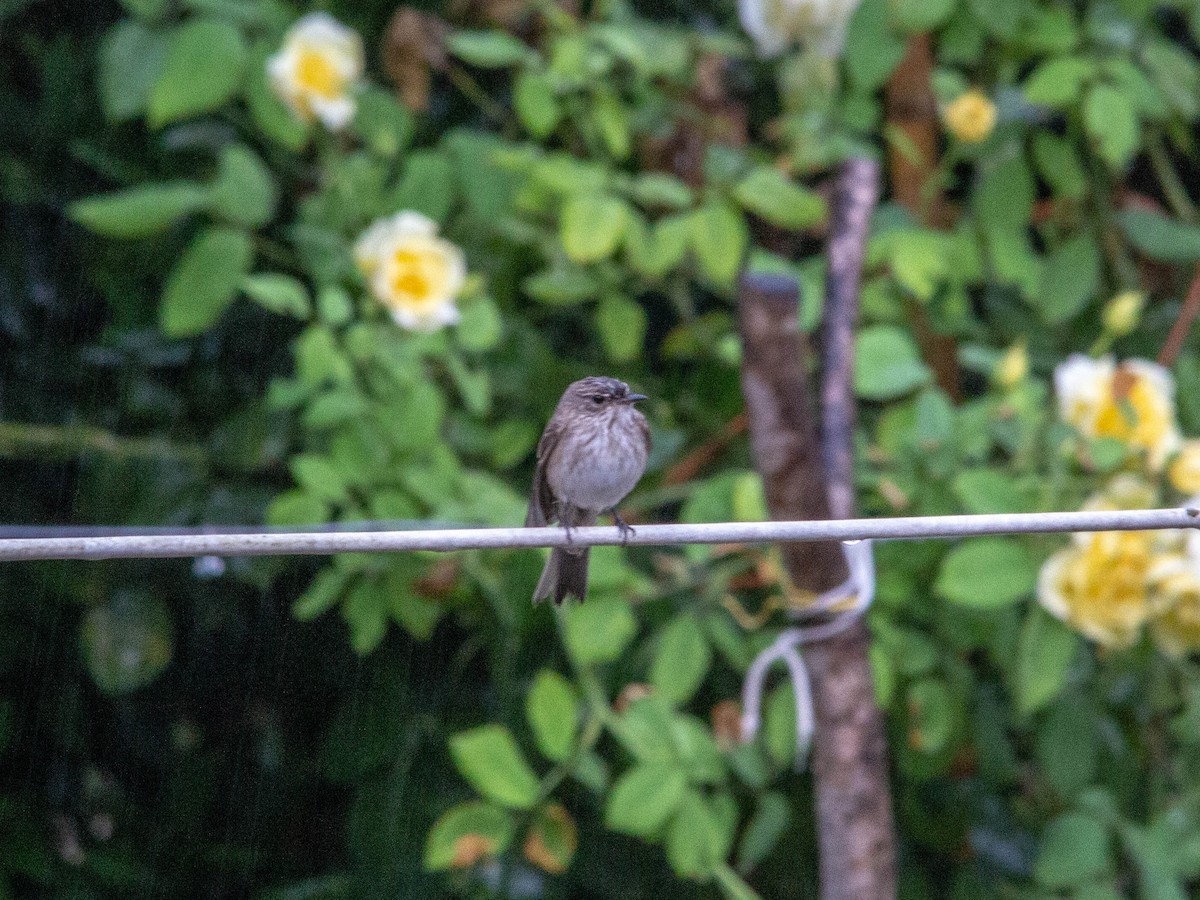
x,y
624,527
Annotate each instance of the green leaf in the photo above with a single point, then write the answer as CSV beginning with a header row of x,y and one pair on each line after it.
x,y
1004,195
643,799
480,327
205,281
1059,82
931,716
646,729
732,886
779,725
1070,278
920,260
561,287
694,838
1058,163
322,594
131,57
887,363
279,293
296,508
271,115
696,750
873,48
611,119
202,71
1001,19
1073,849
140,211
1112,124
1159,237
489,758
764,830
244,191
988,491
919,16
409,610
334,305
146,9
1045,651
365,612
536,104
592,226
599,631
477,818
768,193
127,642
654,250
986,573
719,239
319,476
382,122
1067,745
488,49
658,189
682,659
553,713
1176,74
427,186
622,326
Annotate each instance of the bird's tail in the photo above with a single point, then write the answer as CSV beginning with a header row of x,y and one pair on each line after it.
x,y
565,575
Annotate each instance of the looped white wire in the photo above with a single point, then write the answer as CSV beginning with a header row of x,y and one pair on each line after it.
x,y
859,587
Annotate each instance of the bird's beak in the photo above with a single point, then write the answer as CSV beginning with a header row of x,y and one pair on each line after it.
x,y
634,398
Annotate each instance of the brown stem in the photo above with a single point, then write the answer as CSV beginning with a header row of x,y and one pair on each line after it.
x,y
912,110
1183,324
854,819
689,467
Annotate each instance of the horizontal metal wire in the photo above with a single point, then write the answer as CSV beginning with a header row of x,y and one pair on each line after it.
x,y
325,542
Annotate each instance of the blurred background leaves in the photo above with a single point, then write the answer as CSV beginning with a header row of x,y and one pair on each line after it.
x,y
195,331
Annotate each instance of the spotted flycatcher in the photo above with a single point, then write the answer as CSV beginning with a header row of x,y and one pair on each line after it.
x,y
591,454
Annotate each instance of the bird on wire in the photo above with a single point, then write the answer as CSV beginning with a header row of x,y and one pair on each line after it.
x,y
589,458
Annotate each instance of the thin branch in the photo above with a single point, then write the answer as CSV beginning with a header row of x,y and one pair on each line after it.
x,y
856,194
1172,185
689,467
20,440
1173,345
160,546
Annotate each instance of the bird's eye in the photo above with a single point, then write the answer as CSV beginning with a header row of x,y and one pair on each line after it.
x,y
597,399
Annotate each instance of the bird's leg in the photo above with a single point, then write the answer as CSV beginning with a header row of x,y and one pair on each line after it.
x,y
566,518
624,527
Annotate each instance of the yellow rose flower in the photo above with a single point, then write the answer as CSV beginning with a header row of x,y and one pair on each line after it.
x,y
1098,585
1013,366
413,272
317,69
1175,581
970,117
774,25
1133,402
1184,471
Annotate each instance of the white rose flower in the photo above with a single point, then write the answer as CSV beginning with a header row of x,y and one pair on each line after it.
x,y
412,271
317,69
777,24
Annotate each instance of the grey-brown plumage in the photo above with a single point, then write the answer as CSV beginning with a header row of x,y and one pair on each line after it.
x,y
591,454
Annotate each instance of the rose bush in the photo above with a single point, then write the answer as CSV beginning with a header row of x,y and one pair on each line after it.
x,y
337,266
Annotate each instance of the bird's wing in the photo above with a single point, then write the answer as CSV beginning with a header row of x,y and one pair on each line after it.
x,y
541,500
644,428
